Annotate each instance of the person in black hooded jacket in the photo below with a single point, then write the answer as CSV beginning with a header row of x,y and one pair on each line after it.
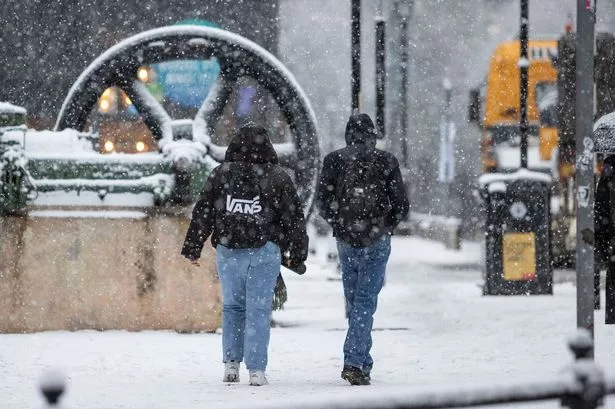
x,y
604,237
251,210
362,196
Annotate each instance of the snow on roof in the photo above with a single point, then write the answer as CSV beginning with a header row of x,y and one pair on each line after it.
x,y
153,181
72,198
184,150
72,145
148,158
88,214
509,157
521,174
604,134
8,108
67,141
158,33
49,142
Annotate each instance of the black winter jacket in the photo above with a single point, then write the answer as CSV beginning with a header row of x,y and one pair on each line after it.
x,y
250,151
604,212
604,243
361,142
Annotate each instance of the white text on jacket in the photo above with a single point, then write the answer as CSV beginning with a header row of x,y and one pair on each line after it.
x,y
245,206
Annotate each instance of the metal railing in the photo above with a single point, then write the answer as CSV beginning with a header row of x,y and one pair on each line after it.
x,y
581,385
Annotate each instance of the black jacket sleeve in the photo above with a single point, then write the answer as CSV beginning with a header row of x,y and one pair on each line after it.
x,y
293,225
602,219
325,192
203,219
398,197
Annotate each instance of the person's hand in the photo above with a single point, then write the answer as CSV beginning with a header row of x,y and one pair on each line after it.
x,y
299,268
295,266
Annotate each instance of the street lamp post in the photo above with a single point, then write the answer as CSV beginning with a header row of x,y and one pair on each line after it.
x,y
523,67
584,162
380,53
447,149
355,35
404,9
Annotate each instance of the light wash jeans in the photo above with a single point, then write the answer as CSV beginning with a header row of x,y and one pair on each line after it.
x,y
248,278
363,276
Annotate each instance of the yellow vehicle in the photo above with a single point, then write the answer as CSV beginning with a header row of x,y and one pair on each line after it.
x,y
500,119
499,122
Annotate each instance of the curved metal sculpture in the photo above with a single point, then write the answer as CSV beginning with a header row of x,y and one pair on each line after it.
x,y
237,56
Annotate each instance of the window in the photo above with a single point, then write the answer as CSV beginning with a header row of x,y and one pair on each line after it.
x,y
546,101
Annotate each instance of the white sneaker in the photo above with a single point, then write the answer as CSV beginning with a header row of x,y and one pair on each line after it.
x,y
257,378
231,371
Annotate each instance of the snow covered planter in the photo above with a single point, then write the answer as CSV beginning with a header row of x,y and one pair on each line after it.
x,y
92,223
96,220
13,175
67,162
13,179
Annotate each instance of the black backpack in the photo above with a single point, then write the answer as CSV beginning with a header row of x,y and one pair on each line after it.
x,y
362,195
244,217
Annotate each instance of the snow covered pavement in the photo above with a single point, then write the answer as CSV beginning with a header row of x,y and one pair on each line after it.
x,y
433,327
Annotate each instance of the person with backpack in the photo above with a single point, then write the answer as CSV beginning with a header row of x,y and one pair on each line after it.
x,y
251,210
362,196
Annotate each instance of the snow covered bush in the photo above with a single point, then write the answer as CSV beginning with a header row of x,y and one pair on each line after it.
x,y
13,178
11,115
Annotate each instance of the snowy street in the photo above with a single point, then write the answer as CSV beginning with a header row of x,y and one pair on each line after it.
x,y
447,120
432,328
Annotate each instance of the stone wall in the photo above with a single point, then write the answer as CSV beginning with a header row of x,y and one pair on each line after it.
x,y
70,272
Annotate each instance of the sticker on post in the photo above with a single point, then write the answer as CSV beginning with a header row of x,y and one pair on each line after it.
x,y
586,159
583,196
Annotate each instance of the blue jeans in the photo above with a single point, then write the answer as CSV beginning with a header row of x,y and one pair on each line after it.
x,y
248,278
363,276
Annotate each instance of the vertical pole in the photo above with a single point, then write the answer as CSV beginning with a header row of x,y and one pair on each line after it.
x,y
609,304
355,35
448,146
380,72
523,67
584,162
403,92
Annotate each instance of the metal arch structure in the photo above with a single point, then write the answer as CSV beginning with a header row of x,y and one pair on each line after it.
x,y
237,57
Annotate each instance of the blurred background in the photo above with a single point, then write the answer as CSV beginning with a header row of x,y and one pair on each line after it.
x,y
45,45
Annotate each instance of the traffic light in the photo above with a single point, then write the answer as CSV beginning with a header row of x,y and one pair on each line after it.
x,y
605,74
565,64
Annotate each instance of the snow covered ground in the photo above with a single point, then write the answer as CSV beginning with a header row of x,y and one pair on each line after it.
x,y
433,328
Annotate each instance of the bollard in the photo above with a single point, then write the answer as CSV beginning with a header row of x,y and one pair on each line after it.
x,y
587,374
53,385
597,268
453,236
609,305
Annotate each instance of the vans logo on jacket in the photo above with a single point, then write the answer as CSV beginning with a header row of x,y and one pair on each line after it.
x,y
244,206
